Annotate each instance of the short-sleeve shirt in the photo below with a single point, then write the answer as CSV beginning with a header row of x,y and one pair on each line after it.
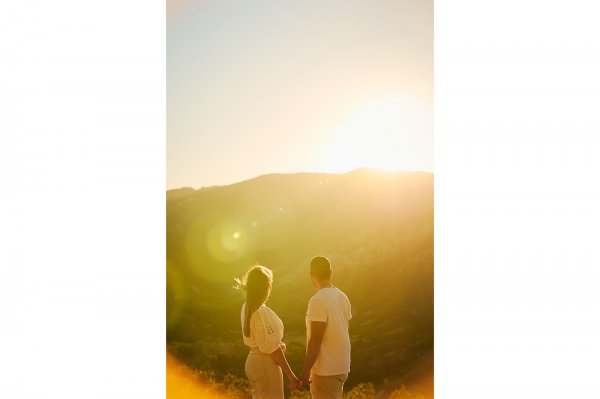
x,y
332,306
266,329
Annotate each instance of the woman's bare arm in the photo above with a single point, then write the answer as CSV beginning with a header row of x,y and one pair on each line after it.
x,y
279,358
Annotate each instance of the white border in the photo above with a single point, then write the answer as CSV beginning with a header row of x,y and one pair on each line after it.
x,y
82,156
82,160
517,200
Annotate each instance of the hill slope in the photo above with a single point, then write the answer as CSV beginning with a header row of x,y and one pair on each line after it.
x,y
377,228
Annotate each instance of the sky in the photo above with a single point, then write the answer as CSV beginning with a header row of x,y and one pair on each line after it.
x,y
297,86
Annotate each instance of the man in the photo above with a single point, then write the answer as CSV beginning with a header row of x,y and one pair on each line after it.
x,y
327,361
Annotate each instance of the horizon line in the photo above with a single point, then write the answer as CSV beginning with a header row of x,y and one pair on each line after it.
x,y
297,173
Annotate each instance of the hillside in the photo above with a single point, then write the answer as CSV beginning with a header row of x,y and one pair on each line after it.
x,y
377,229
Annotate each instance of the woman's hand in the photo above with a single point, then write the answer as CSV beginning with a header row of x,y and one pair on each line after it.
x,y
295,383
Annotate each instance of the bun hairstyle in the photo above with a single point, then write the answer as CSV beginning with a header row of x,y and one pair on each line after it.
x,y
257,284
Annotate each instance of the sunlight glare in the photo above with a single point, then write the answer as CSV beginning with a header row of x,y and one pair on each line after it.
x,y
391,133
183,383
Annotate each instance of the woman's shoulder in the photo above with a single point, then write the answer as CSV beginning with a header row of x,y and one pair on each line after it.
x,y
262,310
267,310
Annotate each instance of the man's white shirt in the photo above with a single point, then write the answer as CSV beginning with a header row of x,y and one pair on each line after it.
x,y
332,306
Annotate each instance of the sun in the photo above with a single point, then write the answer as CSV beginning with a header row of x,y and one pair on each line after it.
x,y
391,133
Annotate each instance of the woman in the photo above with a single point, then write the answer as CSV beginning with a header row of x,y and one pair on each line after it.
x,y
262,332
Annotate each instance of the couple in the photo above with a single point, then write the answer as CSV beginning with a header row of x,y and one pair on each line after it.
x,y
327,361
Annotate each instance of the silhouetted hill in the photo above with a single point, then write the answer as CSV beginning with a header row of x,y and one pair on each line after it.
x,y
377,228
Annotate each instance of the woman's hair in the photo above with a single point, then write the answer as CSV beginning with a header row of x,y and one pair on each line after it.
x,y
257,284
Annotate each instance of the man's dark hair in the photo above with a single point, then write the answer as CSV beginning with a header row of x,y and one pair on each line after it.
x,y
320,267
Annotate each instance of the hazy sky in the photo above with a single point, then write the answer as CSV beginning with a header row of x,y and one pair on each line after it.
x,y
256,87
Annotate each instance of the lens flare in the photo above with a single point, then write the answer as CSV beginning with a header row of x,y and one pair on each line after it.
x,y
217,243
176,296
194,246
227,242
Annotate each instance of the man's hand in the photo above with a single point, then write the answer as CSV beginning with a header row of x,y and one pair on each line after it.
x,y
304,379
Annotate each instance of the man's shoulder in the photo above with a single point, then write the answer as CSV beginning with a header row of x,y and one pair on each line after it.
x,y
327,296
342,293
319,300
317,297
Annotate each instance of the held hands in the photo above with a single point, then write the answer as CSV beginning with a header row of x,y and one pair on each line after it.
x,y
297,383
294,382
303,379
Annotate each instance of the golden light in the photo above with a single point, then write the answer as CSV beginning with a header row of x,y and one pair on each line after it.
x,y
184,383
391,133
227,241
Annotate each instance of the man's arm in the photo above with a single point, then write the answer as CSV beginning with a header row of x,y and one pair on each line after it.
x,y
317,329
